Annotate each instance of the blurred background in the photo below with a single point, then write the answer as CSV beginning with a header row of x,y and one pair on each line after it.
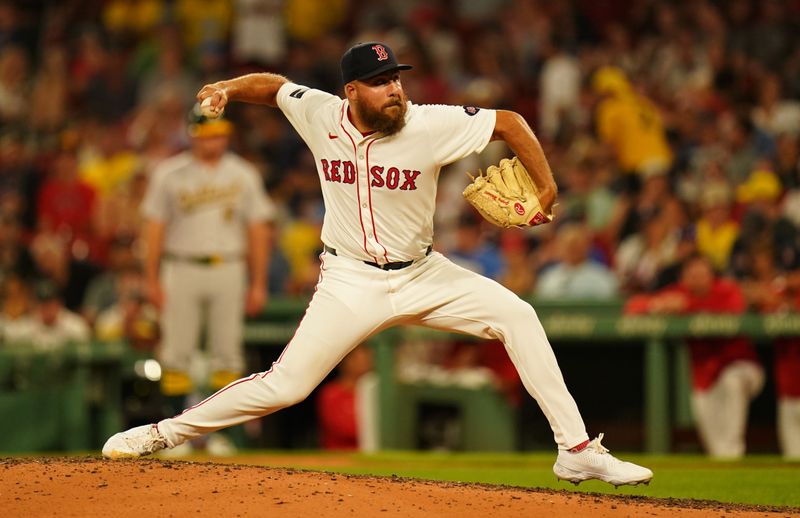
x,y
672,128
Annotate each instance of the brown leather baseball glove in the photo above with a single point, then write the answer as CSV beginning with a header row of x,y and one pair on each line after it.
x,y
506,196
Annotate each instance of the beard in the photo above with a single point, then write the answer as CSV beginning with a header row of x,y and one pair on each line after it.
x,y
389,119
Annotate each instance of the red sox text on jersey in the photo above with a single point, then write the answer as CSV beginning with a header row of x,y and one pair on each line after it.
x,y
344,171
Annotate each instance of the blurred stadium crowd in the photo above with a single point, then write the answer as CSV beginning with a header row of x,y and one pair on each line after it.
x,y
672,127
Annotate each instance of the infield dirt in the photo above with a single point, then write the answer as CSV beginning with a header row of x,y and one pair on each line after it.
x,y
151,487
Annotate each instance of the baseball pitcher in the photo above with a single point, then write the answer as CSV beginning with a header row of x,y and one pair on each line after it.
x,y
378,157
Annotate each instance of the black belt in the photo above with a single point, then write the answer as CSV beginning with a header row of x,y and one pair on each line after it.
x,y
208,260
399,265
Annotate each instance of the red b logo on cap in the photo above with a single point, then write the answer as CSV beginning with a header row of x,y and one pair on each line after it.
x,y
381,52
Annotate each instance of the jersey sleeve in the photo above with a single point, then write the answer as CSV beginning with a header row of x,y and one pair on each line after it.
x,y
155,204
457,131
300,104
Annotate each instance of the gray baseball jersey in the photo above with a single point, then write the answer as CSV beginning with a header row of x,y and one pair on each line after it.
x,y
204,209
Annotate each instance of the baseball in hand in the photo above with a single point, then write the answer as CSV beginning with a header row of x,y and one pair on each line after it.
x,y
209,111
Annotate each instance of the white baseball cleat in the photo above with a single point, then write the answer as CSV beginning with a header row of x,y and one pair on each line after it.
x,y
595,462
136,442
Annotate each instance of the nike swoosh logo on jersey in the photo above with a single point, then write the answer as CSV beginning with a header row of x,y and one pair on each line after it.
x,y
332,136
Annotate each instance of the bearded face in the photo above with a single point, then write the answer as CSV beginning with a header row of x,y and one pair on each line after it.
x,y
388,118
379,102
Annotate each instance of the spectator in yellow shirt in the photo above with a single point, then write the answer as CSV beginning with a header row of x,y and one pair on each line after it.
x,y
630,124
716,230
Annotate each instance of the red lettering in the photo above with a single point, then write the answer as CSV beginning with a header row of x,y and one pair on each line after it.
x,y
409,184
381,52
349,172
392,178
325,170
377,176
335,177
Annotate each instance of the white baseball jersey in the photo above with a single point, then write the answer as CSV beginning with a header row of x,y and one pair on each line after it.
x,y
205,207
379,191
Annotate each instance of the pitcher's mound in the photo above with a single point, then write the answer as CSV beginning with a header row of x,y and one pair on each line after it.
x,y
146,487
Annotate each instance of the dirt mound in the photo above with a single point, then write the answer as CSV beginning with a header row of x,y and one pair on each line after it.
x,y
94,487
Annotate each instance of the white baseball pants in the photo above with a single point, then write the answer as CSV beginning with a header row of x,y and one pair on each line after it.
x,y
789,427
354,301
721,411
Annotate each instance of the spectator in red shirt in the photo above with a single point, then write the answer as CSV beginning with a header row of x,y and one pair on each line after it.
x,y
65,203
726,373
337,404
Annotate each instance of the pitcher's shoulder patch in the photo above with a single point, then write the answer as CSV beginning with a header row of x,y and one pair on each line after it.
x,y
471,110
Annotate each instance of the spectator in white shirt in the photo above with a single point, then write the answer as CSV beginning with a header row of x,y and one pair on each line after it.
x,y
576,276
50,326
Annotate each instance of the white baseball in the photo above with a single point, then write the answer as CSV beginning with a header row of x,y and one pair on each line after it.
x,y
208,110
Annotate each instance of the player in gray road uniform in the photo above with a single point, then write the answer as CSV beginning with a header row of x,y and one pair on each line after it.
x,y
206,254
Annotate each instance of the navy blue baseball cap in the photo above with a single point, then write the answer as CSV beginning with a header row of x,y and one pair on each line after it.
x,y
365,60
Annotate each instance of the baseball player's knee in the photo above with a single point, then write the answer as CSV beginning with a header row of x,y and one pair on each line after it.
x,y
517,313
292,393
742,378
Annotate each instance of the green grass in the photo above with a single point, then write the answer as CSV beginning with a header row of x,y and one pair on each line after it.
x,y
765,480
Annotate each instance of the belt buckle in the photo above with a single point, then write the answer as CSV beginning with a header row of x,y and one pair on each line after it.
x,y
215,260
